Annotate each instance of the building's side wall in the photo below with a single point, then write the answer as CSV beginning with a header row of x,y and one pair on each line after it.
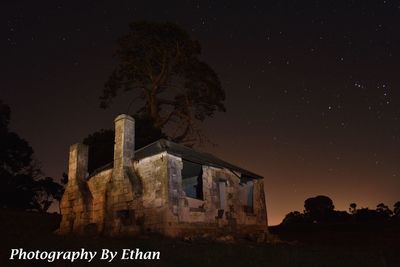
x,y
74,204
86,208
260,207
76,199
83,204
153,195
136,203
188,215
97,186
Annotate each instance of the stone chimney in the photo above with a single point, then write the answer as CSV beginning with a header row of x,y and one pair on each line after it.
x,y
124,147
78,163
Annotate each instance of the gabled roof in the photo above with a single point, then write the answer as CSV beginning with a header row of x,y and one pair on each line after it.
x,y
190,155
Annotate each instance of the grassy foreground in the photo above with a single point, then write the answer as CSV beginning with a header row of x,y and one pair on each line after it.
x,y
324,246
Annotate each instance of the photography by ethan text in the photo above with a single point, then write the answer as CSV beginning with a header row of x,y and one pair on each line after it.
x,y
83,255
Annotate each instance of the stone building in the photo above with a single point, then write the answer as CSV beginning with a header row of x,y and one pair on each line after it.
x,y
163,187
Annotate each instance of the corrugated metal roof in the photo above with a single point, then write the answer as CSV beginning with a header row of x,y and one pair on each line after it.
x,y
190,155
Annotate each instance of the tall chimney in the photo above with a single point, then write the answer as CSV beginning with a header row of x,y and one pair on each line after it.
x,y
124,147
78,163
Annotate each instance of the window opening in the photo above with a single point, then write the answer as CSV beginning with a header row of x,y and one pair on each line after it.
x,y
192,179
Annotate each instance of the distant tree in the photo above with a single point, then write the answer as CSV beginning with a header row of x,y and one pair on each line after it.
x,y
101,143
15,152
368,215
336,216
64,178
159,63
46,192
318,208
22,185
353,208
384,210
396,209
294,217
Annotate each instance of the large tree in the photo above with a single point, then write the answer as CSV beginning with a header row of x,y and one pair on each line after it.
x,y
22,184
159,63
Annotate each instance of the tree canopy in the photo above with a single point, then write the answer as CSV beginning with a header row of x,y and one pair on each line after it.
x,y
22,184
320,209
159,63
384,210
353,208
396,209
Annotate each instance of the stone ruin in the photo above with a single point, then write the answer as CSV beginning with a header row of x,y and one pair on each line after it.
x,y
163,188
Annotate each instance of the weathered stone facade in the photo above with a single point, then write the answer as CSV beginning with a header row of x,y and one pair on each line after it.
x,y
164,188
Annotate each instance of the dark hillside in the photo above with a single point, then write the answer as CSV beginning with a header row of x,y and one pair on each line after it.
x,y
355,234
324,246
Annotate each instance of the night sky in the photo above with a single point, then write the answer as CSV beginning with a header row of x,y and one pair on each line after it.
x,y
313,87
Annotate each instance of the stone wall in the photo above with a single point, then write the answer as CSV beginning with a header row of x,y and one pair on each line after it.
x,y
147,195
153,200
154,191
84,200
189,216
98,186
77,199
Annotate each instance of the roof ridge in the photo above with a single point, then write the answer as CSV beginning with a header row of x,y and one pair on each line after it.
x,y
184,152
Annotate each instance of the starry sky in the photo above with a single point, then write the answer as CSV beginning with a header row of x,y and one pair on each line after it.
x,y
313,89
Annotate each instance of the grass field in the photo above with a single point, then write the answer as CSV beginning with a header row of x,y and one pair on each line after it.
x,y
335,245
